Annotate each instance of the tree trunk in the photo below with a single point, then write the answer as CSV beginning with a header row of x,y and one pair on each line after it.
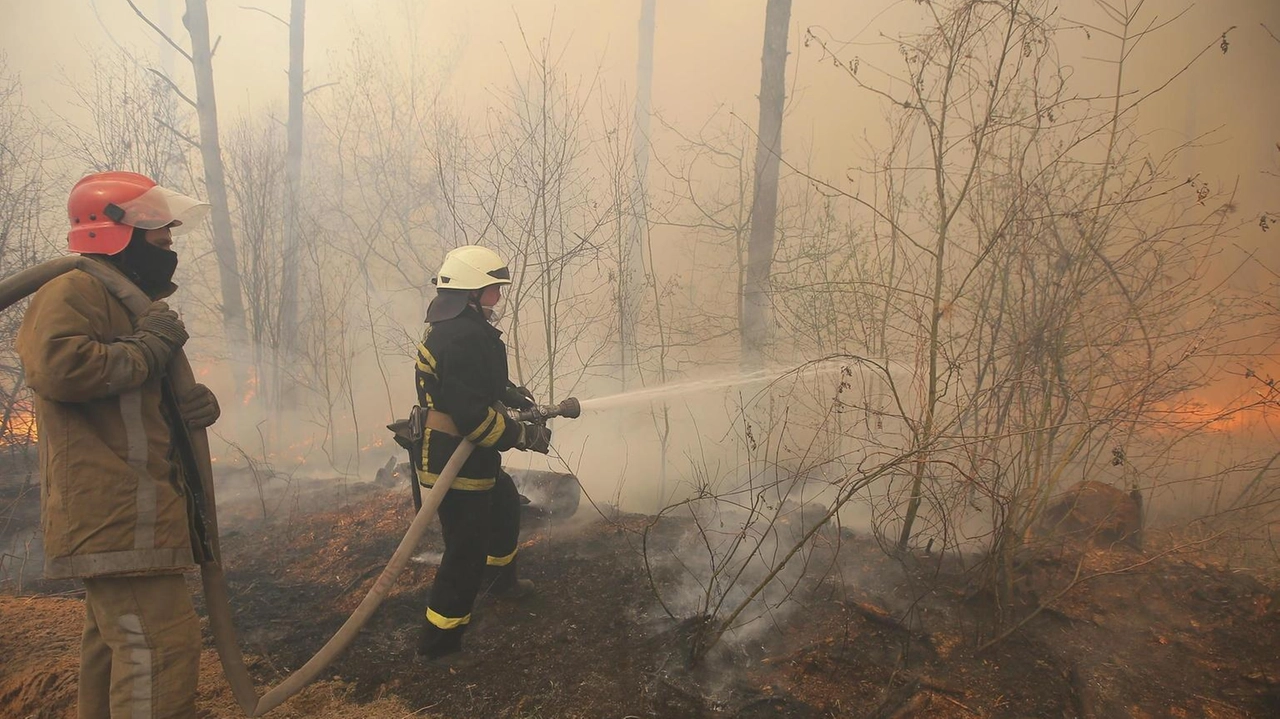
x,y
288,319
755,327
196,21
631,273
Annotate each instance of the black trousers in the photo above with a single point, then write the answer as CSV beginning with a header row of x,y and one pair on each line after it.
x,y
480,529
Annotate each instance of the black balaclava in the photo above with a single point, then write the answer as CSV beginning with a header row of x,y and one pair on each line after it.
x,y
151,268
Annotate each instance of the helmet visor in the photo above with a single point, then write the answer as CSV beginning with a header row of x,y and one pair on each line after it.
x,y
161,207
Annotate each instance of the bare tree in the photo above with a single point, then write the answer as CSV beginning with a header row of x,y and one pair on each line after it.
x,y
293,196
631,263
764,207
285,302
257,186
25,239
133,122
196,20
1040,290
529,183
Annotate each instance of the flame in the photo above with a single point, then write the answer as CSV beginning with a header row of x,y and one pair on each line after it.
x,y
252,389
21,428
1198,414
293,453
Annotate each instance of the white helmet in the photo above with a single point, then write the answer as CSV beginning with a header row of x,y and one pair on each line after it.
x,y
471,267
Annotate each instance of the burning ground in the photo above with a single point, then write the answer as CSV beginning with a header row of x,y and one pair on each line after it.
x,y
1158,633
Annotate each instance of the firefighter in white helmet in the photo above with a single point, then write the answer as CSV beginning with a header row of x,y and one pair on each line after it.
x,y
114,505
461,379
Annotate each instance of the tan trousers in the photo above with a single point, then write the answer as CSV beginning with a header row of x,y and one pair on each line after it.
x,y
140,653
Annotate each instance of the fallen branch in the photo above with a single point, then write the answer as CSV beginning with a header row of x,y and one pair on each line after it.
x,y
916,704
899,702
879,616
363,576
1081,697
882,618
962,706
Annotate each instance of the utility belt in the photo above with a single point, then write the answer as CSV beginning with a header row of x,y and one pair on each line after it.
x,y
440,422
410,433
436,420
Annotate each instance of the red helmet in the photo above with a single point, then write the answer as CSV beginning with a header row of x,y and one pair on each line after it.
x,y
106,206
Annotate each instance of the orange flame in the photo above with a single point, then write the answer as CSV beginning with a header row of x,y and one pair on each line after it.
x,y
252,390
1206,416
21,428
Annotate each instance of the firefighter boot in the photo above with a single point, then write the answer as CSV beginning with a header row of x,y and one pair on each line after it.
x,y
435,643
507,585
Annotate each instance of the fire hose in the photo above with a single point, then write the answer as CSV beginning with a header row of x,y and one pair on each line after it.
x,y
214,582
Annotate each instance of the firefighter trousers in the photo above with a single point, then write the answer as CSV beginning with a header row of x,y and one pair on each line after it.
x,y
480,529
140,650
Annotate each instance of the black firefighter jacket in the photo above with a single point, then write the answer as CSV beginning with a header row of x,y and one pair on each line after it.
x,y
462,372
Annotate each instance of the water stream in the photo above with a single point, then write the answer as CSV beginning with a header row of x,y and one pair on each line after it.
x,y
648,394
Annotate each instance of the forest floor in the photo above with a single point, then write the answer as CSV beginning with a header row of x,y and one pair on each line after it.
x,y
1163,632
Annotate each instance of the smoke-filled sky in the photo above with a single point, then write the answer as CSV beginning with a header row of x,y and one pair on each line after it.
x,y
706,57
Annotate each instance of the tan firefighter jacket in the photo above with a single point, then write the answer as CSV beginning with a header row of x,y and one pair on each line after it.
x,y
110,497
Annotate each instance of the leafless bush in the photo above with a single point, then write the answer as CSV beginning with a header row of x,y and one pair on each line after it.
x,y
1039,291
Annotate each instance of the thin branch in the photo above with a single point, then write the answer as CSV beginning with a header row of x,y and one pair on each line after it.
x,y
172,86
271,15
1273,35
1169,81
179,133
160,32
214,50
318,87
1095,28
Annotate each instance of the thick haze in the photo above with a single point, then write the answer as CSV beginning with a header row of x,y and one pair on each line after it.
x,y
706,57
706,66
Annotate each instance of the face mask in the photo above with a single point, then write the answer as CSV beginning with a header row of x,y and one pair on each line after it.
x,y
151,268
493,314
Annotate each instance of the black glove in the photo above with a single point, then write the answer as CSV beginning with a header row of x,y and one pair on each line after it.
x,y
514,397
534,438
199,407
160,332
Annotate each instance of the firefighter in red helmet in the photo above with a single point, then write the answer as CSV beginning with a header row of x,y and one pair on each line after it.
x,y
114,508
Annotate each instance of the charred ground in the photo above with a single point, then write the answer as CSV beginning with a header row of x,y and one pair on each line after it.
x,y
1159,633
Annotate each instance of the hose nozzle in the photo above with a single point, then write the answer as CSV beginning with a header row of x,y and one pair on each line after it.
x,y
570,408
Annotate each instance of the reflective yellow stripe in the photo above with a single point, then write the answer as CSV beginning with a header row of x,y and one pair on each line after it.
x,y
484,427
490,430
444,622
501,561
426,361
499,426
424,397
428,480
425,355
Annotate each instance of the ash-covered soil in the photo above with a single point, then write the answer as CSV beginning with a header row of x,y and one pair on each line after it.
x,y
1160,633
